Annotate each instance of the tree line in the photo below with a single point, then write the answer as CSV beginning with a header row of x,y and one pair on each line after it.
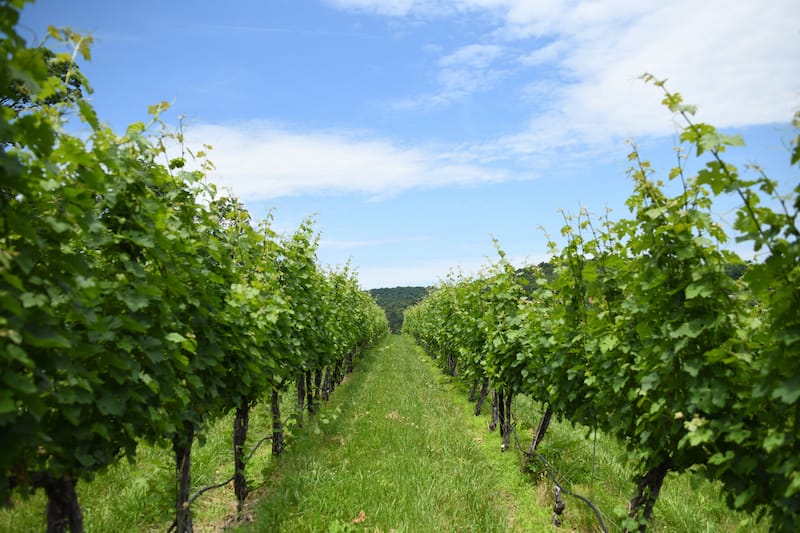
x,y
396,300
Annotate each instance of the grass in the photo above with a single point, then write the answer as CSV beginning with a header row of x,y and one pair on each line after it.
x,y
138,496
595,466
397,448
393,446
600,472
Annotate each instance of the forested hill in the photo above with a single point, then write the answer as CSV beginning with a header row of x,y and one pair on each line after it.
x,y
395,300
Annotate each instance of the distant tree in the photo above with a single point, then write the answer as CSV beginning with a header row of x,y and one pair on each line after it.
x,y
547,270
735,270
530,273
395,300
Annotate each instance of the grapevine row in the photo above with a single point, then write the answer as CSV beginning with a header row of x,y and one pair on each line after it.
x,y
642,333
137,304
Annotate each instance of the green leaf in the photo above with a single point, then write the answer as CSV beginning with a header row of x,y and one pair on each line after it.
x,y
720,458
743,497
149,381
57,225
134,301
691,329
13,335
88,113
650,382
7,404
692,367
102,430
788,391
773,441
110,405
84,457
175,337
46,338
701,289
794,485
30,299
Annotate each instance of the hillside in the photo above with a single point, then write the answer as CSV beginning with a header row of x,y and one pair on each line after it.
x,y
395,300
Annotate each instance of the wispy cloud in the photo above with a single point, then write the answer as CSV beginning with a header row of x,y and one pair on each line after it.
x,y
260,160
396,8
477,56
547,54
736,60
470,69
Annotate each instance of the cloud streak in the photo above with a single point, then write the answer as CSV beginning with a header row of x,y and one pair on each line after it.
x,y
736,61
582,98
259,160
466,71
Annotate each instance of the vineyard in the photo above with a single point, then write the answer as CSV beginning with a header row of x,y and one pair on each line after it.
x,y
137,304
642,334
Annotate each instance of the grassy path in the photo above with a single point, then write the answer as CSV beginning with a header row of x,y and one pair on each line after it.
x,y
393,454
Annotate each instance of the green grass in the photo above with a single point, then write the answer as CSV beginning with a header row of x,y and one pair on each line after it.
x,y
397,441
599,471
602,474
397,448
136,497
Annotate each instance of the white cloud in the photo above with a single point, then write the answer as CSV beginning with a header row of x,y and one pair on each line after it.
x,y
258,161
472,56
546,54
395,8
468,70
736,60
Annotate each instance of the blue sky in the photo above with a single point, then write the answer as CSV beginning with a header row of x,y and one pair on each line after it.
x,y
417,130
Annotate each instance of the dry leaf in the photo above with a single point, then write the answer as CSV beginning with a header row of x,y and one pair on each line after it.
x,y
360,518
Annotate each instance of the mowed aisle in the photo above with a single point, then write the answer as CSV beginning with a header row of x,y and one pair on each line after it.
x,y
394,453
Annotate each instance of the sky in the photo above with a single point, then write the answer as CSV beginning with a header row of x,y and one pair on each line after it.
x,y
416,132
